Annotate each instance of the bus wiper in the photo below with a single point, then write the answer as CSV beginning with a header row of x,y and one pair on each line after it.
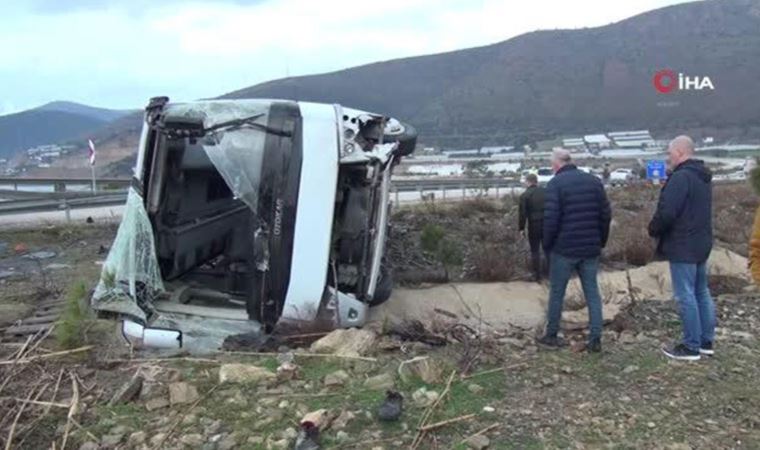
x,y
249,122
193,127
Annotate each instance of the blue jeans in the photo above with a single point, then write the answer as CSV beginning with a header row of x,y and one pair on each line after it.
x,y
695,305
561,268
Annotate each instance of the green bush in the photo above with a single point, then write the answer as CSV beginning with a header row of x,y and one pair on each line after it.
x,y
433,240
69,330
431,237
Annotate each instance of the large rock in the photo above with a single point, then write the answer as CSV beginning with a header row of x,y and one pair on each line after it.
x,y
422,367
478,442
337,378
380,382
181,392
342,420
245,373
156,403
423,398
320,418
349,342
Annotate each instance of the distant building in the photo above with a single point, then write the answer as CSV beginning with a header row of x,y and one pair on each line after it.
x,y
597,141
469,153
573,143
504,167
440,170
632,139
496,149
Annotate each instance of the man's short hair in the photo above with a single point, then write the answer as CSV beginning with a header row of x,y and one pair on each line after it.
x,y
531,178
562,156
683,143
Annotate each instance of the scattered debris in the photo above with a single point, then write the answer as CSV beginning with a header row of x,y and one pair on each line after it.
x,y
320,418
414,330
308,437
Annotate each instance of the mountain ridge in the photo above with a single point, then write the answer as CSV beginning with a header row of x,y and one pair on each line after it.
x,y
553,82
52,123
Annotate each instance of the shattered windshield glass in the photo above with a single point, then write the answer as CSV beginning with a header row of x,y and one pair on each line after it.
x,y
234,140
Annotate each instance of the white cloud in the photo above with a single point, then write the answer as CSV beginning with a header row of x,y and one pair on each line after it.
x,y
112,56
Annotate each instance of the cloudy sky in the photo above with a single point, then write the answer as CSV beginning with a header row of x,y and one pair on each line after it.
x,y
118,53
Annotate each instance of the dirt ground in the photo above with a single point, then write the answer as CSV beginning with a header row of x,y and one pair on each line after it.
x,y
504,393
630,396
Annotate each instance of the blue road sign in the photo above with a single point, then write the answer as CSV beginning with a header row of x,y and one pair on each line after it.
x,y
656,170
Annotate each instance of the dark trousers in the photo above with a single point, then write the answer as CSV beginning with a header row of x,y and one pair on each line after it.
x,y
561,271
535,237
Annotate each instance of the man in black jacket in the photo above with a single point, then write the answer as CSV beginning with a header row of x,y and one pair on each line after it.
x,y
576,227
532,214
683,226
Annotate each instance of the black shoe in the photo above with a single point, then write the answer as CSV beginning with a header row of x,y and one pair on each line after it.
x,y
707,349
308,437
594,346
550,342
682,353
390,409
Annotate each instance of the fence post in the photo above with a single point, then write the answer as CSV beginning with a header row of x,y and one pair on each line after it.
x,y
66,210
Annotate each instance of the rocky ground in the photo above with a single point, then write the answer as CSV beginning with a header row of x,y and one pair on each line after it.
x,y
504,392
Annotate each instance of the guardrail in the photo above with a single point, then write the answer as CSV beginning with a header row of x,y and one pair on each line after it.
x,y
451,188
22,206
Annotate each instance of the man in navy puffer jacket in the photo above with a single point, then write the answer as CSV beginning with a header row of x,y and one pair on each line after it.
x,y
683,226
576,227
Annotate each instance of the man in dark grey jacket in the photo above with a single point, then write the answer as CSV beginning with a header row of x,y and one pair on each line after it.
x,y
683,226
532,214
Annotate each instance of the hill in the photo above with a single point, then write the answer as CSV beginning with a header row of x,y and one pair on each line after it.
x,y
563,81
103,114
37,127
52,123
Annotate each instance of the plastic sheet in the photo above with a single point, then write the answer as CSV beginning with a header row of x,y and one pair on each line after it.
x,y
130,279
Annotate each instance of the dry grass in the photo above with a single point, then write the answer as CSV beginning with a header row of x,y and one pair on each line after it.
x,y
486,232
